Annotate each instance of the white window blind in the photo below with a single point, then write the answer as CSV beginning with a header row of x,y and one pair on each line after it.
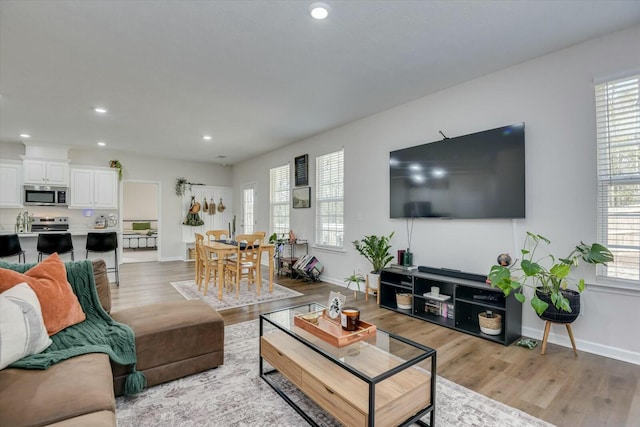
x,y
279,185
330,200
618,141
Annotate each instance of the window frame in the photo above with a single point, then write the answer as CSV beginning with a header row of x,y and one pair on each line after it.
x,y
324,199
276,173
611,137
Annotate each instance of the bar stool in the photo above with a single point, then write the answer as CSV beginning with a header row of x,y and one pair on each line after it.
x,y
104,242
49,243
10,246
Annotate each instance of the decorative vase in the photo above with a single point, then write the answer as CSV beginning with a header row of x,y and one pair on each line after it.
x,y
556,315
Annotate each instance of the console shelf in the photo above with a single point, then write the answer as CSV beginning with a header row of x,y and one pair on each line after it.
x,y
469,295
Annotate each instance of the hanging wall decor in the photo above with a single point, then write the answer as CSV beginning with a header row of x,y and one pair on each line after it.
x,y
301,171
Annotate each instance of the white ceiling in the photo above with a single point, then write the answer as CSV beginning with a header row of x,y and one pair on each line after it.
x,y
256,75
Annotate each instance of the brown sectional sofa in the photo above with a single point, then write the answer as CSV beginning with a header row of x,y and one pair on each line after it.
x,y
173,339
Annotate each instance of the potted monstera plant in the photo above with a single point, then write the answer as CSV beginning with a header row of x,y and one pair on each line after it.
x,y
553,298
376,250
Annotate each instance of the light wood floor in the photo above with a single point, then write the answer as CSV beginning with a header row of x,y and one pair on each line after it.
x,y
588,390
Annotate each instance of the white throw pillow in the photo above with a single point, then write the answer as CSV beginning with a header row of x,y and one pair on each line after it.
x,y
22,330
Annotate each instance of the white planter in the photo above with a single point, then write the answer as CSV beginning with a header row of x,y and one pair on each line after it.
x,y
374,281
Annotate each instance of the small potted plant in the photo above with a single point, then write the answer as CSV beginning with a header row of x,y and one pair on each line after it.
x,y
376,250
357,279
115,164
548,275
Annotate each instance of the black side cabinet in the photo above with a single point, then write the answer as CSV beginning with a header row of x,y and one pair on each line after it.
x,y
461,298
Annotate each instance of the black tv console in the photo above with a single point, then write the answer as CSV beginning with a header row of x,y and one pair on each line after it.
x,y
462,297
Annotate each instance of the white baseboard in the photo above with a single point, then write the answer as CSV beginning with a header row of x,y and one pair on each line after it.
x,y
560,337
174,258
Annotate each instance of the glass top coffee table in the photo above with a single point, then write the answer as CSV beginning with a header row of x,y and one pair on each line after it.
x,y
382,379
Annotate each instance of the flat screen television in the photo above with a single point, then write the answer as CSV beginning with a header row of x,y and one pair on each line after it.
x,y
475,176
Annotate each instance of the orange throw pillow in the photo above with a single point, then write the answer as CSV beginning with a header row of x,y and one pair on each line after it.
x,y
48,279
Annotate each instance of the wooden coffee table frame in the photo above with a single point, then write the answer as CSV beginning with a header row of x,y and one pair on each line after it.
x,y
426,353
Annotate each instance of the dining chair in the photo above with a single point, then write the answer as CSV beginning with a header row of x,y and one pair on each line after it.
x,y
217,235
199,238
206,266
245,262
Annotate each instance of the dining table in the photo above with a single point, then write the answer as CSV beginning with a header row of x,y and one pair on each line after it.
x,y
270,249
224,249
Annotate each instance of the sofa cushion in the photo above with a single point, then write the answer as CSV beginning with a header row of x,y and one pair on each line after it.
x,y
102,283
77,386
94,419
171,332
22,330
60,306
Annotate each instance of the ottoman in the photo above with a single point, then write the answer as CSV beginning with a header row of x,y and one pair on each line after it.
x,y
173,339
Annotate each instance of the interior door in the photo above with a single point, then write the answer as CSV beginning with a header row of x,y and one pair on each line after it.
x,y
248,219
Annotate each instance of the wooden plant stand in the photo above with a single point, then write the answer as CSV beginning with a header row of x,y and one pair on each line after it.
x,y
547,328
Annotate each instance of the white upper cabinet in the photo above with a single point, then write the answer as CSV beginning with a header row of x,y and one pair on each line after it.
x,y
106,189
93,188
10,185
43,172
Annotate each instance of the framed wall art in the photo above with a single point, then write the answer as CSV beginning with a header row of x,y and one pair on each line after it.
x,y
301,170
301,197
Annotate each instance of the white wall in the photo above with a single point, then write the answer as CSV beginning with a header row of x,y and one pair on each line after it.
x,y
139,201
554,96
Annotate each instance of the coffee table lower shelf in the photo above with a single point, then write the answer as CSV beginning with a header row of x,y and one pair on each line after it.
x,y
402,398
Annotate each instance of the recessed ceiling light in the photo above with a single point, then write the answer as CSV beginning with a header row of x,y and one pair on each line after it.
x,y
25,135
319,11
102,143
206,137
100,110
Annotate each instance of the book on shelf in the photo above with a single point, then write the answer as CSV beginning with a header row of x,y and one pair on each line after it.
x,y
450,311
433,307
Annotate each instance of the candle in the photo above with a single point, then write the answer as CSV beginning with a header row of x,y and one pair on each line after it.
x,y
349,318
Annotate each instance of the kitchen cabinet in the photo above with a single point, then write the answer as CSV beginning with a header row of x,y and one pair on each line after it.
x,y
93,188
46,172
11,184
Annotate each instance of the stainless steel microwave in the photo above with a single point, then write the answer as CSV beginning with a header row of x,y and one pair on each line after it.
x,y
43,195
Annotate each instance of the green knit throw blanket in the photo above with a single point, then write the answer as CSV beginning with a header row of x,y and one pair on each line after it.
x,y
99,333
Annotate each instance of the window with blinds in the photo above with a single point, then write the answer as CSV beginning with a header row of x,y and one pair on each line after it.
x,y
618,142
279,185
330,200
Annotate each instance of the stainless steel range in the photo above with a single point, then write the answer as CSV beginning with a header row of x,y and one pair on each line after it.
x,y
50,223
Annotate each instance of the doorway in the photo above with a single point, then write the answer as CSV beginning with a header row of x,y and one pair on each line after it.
x,y
248,208
140,221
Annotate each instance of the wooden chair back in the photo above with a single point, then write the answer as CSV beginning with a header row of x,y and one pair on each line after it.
x,y
217,235
245,263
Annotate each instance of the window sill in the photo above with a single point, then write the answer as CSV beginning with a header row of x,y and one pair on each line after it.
x,y
329,249
615,287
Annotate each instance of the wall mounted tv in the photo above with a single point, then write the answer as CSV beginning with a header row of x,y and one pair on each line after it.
x,y
474,176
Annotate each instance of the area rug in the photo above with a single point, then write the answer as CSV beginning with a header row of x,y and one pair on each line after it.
x,y
189,290
234,395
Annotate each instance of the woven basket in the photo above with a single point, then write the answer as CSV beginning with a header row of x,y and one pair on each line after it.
x,y
494,322
403,299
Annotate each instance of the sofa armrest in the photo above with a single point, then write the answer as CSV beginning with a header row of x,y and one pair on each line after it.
x,y
102,283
